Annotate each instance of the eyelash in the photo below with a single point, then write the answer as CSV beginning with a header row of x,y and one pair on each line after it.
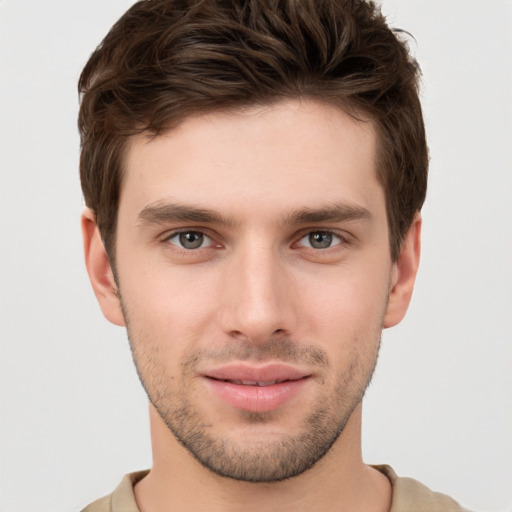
x,y
325,232
175,234
342,240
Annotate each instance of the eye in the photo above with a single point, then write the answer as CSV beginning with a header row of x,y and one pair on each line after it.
x,y
190,240
320,240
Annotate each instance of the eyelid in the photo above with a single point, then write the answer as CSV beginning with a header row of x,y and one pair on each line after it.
x,y
168,235
342,236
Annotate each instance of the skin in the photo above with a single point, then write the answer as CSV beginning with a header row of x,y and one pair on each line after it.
x,y
290,266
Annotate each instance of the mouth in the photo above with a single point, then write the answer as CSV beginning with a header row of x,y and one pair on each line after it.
x,y
256,383
256,388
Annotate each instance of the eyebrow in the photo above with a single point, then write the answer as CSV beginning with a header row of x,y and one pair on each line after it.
x,y
331,213
165,212
162,213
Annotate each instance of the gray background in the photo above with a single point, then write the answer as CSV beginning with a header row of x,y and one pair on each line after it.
x,y
73,416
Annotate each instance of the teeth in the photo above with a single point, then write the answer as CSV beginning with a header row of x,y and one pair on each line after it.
x,y
267,383
253,382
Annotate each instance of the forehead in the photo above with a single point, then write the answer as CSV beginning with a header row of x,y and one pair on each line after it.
x,y
286,153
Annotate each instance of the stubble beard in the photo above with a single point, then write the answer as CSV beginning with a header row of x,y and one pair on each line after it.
x,y
269,461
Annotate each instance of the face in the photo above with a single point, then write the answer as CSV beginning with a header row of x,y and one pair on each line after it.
x,y
254,273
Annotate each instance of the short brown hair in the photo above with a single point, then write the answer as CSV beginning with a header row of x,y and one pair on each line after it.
x,y
165,60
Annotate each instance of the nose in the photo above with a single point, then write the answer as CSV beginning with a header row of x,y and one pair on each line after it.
x,y
257,301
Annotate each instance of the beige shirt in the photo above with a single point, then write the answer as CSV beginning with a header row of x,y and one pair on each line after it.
x,y
408,496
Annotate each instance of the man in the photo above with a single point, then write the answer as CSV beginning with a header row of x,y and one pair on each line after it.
x,y
254,172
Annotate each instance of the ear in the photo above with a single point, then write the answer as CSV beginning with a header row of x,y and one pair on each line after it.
x,y
99,270
403,274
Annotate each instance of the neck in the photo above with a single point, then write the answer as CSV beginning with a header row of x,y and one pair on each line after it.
x,y
339,482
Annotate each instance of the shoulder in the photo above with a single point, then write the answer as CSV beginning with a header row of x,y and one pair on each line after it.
x,y
122,499
101,505
409,495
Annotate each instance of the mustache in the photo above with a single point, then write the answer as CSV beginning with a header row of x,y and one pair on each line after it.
x,y
282,349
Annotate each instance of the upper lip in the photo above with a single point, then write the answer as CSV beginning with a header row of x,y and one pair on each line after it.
x,y
247,373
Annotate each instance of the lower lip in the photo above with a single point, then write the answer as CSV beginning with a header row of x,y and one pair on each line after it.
x,y
256,398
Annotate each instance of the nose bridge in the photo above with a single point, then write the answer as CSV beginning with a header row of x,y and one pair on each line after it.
x,y
257,304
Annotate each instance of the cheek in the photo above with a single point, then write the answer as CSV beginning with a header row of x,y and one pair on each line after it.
x,y
169,307
346,310
360,285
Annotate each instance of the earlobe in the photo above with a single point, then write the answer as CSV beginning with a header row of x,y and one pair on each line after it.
x,y
404,274
99,270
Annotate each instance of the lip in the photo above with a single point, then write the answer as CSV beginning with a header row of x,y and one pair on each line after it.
x,y
256,388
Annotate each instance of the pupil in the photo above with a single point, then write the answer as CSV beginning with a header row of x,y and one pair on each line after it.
x,y
320,240
191,240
